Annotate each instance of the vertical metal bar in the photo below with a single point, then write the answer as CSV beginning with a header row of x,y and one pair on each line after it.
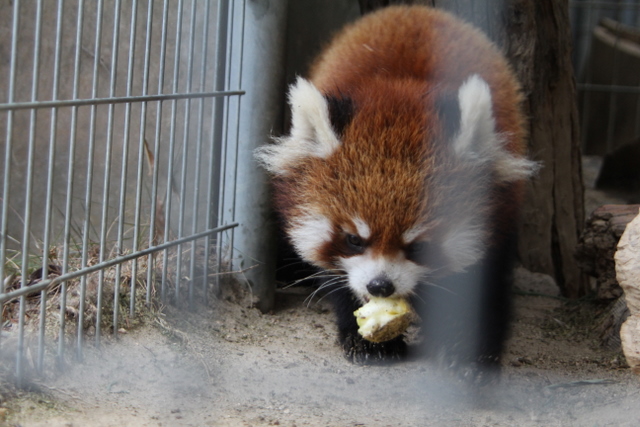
x,y
236,67
186,149
50,178
586,100
262,60
124,167
636,130
224,187
141,144
613,97
200,140
156,153
29,187
224,140
115,44
215,154
633,20
8,142
234,199
70,179
9,138
89,184
106,187
172,140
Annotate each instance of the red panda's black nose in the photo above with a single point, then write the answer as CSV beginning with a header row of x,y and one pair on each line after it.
x,y
381,287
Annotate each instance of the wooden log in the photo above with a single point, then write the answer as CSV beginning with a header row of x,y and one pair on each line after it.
x,y
627,260
597,246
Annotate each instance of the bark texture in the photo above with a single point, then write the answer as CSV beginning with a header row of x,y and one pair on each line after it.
x,y
535,36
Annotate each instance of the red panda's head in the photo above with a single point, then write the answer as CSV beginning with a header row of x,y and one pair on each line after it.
x,y
393,185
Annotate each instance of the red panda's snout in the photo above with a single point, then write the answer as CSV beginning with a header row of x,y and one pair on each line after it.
x,y
371,264
381,286
382,276
375,258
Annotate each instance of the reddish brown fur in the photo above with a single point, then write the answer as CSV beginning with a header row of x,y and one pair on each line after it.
x,y
437,51
394,73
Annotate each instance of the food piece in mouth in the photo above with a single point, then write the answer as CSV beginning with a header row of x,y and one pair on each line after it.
x,y
383,319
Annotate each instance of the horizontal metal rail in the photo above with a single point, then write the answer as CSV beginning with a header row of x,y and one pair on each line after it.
x,y
114,100
594,87
44,284
603,4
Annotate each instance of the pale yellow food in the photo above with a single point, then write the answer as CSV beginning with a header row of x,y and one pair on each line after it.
x,y
382,319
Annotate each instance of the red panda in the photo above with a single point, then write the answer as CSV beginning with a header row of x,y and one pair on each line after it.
x,y
403,173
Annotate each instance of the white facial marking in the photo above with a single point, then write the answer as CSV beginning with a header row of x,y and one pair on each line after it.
x,y
308,233
311,132
362,228
362,269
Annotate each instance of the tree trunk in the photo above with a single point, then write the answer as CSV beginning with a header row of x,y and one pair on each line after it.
x,y
535,36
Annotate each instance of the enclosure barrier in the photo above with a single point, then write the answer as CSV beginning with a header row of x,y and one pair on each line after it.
x,y
606,58
120,165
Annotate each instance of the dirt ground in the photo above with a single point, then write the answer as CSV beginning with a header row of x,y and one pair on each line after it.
x,y
229,365
233,366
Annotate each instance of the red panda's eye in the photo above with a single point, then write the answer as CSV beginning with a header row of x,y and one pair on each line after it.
x,y
355,243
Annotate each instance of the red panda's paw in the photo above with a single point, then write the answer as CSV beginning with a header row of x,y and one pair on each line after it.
x,y
478,374
362,352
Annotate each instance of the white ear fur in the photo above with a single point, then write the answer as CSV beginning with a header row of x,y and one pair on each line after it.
x,y
477,139
311,131
477,126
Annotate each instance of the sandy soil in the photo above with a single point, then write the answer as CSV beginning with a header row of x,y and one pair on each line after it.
x,y
230,365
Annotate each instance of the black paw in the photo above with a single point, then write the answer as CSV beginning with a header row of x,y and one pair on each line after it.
x,y
479,375
363,352
478,372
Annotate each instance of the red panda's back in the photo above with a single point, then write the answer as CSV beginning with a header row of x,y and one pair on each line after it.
x,y
425,44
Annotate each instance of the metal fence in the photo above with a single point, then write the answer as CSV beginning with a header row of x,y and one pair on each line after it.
x,y
119,142
606,37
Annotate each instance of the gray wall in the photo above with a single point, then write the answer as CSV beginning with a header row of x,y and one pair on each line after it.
x,y
61,137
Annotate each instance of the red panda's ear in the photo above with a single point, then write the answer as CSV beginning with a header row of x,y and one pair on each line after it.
x,y
312,133
477,135
478,141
